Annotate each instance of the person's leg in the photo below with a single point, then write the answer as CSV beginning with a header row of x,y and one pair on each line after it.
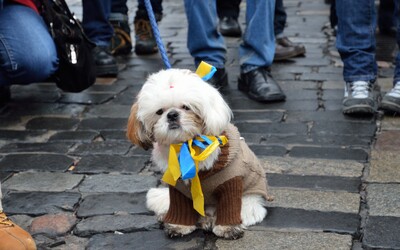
x,y
391,101
257,53
280,17
100,31
204,41
228,13
95,21
228,8
27,51
386,17
258,47
355,42
284,48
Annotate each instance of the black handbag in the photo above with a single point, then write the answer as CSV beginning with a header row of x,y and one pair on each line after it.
x,y
76,70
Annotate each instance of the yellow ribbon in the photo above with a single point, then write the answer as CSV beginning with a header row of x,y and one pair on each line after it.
x,y
205,70
173,171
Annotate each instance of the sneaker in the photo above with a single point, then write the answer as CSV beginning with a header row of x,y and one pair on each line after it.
x,y
105,62
391,101
121,42
14,237
145,43
358,98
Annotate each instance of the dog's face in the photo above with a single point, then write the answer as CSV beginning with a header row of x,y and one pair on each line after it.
x,y
174,106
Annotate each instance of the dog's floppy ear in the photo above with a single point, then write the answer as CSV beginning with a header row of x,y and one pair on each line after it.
x,y
136,132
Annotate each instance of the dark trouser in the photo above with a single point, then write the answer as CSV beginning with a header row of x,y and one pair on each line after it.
x,y
230,8
120,6
95,21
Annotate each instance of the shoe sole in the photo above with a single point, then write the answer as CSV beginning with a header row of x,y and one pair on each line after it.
x,y
294,54
390,106
359,109
107,70
141,50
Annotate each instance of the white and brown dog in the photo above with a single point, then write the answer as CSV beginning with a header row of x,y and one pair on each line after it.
x,y
173,107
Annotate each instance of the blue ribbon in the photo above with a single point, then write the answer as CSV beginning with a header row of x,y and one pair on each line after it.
x,y
210,74
186,162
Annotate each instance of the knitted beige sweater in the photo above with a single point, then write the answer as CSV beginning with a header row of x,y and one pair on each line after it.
x,y
237,172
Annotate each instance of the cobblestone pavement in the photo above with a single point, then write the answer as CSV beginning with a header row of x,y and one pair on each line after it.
x,y
74,181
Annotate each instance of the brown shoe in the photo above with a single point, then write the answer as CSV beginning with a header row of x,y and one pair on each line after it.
x,y
285,49
13,237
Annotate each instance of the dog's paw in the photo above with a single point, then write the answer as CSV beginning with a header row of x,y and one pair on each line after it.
x,y
206,223
253,210
230,232
174,230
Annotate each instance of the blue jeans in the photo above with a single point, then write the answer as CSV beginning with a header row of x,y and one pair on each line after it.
x,y
119,9
95,21
355,39
396,77
356,42
27,51
205,43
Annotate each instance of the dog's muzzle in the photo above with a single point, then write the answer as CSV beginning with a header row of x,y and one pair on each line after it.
x,y
173,119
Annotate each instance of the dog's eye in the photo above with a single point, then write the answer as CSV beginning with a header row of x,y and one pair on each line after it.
x,y
185,107
159,112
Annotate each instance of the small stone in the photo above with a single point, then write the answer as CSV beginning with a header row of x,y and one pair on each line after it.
x,y
53,224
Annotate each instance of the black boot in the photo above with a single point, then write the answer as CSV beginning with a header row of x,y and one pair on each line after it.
x,y
259,85
219,79
105,62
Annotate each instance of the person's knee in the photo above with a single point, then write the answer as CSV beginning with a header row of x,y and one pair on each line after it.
x,y
34,67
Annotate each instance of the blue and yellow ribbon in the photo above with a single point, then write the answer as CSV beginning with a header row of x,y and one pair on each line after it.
x,y
184,161
205,71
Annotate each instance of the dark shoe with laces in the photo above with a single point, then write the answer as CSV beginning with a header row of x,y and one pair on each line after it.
x,y
391,100
285,49
121,42
145,43
259,85
359,98
220,79
106,65
229,26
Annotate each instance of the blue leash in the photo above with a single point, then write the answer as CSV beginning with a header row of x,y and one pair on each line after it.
x,y
156,33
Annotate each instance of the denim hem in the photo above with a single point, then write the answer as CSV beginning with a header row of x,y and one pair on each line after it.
x,y
118,17
367,78
245,68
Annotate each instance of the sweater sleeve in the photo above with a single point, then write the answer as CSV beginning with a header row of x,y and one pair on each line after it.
x,y
181,211
229,206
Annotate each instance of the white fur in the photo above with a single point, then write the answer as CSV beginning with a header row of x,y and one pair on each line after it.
x,y
170,90
253,210
157,200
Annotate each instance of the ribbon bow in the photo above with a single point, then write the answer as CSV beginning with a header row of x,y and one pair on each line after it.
x,y
184,161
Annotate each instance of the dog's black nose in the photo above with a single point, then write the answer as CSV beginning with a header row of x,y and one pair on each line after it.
x,y
173,115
